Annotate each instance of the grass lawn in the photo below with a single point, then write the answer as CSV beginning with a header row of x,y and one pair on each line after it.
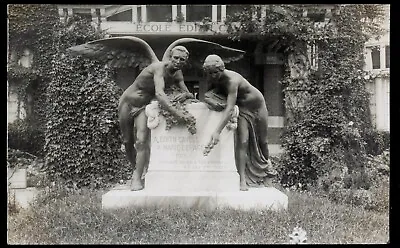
x,y
59,217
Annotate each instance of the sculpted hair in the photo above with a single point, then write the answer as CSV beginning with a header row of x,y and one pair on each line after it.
x,y
181,49
213,61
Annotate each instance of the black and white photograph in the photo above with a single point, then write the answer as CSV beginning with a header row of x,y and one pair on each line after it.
x,y
198,124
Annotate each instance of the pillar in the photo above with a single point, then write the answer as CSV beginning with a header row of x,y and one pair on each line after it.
x,y
174,12
214,15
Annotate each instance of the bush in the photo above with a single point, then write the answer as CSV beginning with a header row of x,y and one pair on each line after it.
x,y
25,137
369,189
82,135
376,141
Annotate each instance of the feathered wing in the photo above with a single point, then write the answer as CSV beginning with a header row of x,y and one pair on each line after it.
x,y
118,52
200,49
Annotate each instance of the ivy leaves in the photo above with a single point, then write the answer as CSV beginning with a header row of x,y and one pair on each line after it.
x,y
328,115
83,137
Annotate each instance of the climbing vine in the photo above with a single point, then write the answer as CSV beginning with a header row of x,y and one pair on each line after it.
x,y
329,128
30,26
82,132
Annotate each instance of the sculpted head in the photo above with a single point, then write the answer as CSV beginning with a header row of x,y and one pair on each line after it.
x,y
214,66
179,56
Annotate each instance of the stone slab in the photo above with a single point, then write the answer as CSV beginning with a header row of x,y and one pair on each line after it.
x,y
184,181
17,178
24,196
255,198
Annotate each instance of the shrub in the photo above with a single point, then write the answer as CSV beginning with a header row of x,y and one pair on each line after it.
x,y
376,141
82,135
369,189
25,137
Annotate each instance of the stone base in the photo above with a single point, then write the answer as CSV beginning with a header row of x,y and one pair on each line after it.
x,y
192,181
23,197
255,198
17,178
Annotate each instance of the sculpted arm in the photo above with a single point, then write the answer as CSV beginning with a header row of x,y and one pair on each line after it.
x,y
230,104
159,85
183,86
181,82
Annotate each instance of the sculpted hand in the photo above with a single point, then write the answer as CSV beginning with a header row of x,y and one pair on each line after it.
x,y
214,138
183,96
213,141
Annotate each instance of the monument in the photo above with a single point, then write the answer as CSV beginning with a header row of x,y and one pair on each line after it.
x,y
173,160
180,174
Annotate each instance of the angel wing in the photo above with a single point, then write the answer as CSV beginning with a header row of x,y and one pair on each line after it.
x,y
200,49
118,52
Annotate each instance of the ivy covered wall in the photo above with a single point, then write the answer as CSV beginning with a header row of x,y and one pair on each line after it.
x,y
75,99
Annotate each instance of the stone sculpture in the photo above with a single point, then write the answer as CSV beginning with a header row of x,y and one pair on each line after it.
x,y
151,84
229,88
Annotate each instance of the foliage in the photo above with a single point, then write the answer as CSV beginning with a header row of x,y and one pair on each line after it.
x,y
171,119
17,73
376,141
36,176
76,217
82,132
25,137
373,193
206,24
329,130
18,158
179,17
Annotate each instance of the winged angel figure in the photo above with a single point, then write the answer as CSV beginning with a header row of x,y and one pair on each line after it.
x,y
152,83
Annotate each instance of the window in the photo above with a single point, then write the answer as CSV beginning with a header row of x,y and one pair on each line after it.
x,y
124,16
83,13
387,53
376,57
198,12
233,9
312,52
316,15
26,58
139,13
159,13
85,16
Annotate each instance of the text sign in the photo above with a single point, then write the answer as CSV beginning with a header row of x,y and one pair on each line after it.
x,y
161,27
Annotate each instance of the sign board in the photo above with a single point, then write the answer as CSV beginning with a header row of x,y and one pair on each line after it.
x,y
160,28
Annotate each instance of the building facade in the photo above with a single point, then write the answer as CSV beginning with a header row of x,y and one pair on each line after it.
x,y
377,61
160,25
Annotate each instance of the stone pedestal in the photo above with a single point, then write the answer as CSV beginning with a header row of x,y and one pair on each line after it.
x,y
180,175
17,178
177,162
255,198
